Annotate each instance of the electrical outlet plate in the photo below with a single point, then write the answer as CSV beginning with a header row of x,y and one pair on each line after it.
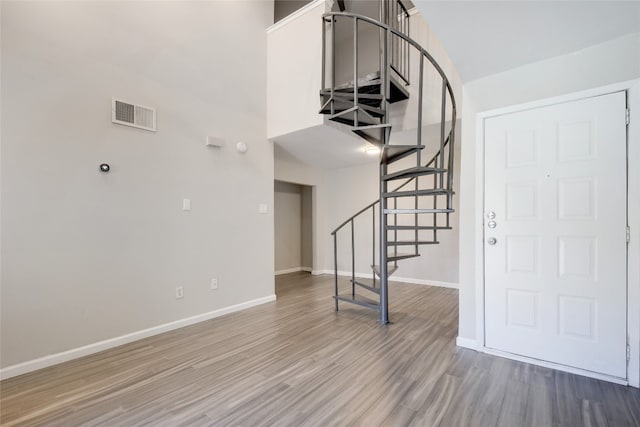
x,y
179,292
214,284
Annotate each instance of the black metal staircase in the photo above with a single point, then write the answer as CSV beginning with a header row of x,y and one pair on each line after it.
x,y
412,214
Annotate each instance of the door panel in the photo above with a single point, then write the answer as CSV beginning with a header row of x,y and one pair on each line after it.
x,y
555,279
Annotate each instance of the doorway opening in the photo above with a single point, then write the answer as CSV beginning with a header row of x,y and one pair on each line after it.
x,y
293,227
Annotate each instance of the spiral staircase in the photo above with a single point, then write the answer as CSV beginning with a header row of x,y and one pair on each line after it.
x,y
416,179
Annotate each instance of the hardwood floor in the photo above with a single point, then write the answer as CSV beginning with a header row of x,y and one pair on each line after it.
x,y
296,362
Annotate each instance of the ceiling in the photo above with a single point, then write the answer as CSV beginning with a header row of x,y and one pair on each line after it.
x,y
481,38
324,146
488,37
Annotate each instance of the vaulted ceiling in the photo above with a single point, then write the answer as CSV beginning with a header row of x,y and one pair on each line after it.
x,y
487,37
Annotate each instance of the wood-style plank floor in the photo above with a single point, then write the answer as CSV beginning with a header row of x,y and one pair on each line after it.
x,y
296,362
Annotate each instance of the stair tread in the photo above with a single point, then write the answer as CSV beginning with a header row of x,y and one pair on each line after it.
x,y
417,211
378,126
391,153
411,242
373,135
417,227
425,192
370,84
390,269
398,257
359,300
365,286
349,95
411,172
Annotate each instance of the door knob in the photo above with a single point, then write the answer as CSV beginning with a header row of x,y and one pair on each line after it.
x,y
491,215
492,224
492,241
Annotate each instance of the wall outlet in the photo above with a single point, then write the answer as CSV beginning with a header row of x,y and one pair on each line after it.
x,y
214,284
179,292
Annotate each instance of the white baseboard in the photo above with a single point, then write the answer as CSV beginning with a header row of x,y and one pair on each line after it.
x,y
467,343
54,359
425,282
392,278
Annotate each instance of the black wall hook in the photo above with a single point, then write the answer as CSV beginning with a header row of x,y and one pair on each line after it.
x,y
104,167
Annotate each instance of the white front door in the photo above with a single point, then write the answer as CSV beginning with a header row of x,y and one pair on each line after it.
x,y
555,203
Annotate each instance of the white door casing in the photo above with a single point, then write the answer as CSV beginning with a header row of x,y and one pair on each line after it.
x,y
555,279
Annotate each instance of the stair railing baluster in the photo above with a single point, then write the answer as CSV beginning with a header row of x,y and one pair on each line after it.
x,y
407,30
373,244
333,63
420,97
353,262
324,53
415,215
394,56
355,71
335,268
451,165
443,118
435,206
395,226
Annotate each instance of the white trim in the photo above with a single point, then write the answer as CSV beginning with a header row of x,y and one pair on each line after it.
x,y
633,264
54,359
411,280
437,283
292,270
295,15
555,366
633,283
562,99
413,11
467,343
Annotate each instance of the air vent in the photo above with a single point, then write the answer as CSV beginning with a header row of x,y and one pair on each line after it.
x,y
137,116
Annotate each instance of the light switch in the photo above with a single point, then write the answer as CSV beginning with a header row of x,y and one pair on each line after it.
x,y
262,208
186,204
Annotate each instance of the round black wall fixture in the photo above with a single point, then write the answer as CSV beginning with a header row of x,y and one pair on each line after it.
x,y
104,167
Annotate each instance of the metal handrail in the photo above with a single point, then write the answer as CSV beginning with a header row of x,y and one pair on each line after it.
x,y
396,15
329,16
391,40
375,202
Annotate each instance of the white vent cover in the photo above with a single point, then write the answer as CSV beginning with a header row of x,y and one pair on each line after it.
x,y
137,116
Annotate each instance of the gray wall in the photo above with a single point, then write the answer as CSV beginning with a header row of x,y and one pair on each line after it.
x,y
283,8
88,256
293,226
306,250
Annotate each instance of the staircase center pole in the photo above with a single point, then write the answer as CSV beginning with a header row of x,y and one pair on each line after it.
x,y
385,89
384,277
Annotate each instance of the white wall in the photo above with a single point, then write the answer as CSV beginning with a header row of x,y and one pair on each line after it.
x,y
614,61
404,115
88,256
289,169
354,188
294,68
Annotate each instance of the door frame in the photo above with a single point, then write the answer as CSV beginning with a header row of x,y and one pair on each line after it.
x,y
632,89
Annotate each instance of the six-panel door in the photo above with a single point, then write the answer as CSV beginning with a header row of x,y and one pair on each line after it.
x,y
555,278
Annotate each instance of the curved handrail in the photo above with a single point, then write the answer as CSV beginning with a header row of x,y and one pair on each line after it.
x,y
408,40
427,55
375,202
